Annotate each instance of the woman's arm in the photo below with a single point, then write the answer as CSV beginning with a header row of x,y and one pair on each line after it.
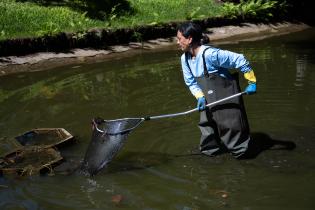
x,y
231,60
190,80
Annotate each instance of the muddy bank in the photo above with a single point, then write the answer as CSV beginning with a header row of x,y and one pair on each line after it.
x,y
230,33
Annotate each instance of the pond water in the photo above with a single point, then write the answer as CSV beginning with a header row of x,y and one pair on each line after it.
x,y
154,169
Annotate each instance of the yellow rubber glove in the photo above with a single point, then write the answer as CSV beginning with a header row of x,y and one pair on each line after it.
x,y
250,76
199,95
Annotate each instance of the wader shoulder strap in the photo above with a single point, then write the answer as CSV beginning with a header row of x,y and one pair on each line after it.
x,y
205,70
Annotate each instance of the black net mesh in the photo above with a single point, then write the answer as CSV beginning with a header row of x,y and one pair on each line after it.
x,y
108,138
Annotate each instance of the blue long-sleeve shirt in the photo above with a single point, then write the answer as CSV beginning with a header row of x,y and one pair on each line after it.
x,y
217,60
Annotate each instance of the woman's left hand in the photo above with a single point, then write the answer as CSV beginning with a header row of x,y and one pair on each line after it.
x,y
201,105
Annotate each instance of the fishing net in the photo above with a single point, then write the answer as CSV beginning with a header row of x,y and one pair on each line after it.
x,y
108,137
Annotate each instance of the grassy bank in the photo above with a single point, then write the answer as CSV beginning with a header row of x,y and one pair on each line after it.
x,y
28,19
159,11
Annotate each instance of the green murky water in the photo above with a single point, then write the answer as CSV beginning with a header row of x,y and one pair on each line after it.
x,y
154,170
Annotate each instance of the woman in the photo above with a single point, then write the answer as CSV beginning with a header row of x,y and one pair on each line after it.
x,y
223,127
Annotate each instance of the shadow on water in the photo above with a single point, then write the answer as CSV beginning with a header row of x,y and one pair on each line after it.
x,y
131,161
128,161
261,142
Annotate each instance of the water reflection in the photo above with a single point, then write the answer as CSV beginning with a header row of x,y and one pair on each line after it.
x,y
301,66
155,168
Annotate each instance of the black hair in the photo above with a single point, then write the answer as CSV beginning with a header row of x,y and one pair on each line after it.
x,y
194,31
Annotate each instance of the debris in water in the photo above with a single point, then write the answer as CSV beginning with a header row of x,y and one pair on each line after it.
x,y
222,193
4,186
116,199
45,137
36,152
30,160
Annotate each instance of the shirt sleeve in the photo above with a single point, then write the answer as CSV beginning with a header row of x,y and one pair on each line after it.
x,y
229,60
190,80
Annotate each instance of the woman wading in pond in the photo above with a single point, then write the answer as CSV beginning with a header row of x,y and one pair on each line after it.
x,y
223,127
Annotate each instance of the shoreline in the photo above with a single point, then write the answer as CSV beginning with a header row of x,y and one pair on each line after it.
x,y
224,34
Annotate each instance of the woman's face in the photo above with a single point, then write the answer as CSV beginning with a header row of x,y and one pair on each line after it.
x,y
184,43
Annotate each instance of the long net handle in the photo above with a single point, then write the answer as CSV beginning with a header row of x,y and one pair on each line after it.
x,y
196,109
160,116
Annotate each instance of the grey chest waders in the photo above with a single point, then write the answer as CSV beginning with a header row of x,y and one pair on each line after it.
x,y
223,127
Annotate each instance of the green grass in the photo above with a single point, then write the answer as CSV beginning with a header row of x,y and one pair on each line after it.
x,y
161,11
19,20
258,9
27,20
